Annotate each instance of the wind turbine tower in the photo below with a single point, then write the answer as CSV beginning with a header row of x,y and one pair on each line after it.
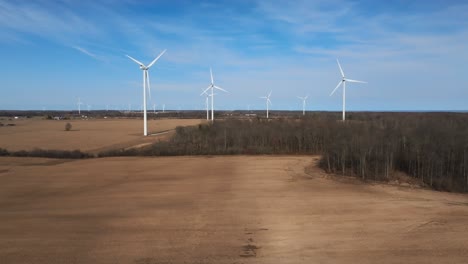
x,y
268,102
146,81
303,103
79,106
343,81
211,87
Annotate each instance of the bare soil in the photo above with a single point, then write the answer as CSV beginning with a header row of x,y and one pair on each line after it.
x,y
91,135
231,209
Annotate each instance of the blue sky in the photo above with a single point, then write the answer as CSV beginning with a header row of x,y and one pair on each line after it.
x,y
414,54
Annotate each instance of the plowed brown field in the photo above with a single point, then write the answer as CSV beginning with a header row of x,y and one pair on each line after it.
x,y
231,209
91,135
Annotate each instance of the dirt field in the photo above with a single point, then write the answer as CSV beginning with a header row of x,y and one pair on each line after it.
x,y
91,135
218,210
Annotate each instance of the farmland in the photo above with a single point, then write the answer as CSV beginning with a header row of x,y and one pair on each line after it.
x,y
231,209
209,208
91,135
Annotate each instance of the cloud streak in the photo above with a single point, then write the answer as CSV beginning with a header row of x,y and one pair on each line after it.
x,y
86,52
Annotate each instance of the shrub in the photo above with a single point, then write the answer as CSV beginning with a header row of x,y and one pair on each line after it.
x,y
68,127
55,154
4,152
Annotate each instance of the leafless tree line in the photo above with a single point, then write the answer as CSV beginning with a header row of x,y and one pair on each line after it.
x,y
431,147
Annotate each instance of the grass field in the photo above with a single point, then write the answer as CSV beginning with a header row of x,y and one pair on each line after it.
x,y
231,209
86,135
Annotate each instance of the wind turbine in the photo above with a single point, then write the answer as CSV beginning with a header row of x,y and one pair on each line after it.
x,y
343,81
268,102
212,87
154,108
303,103
146,82
164,107
89,108
79,106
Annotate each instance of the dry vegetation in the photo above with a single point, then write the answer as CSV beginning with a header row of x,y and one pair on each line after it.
x,y
233,209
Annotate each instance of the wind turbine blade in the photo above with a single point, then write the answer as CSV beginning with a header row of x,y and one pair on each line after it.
x,y
211,74
148,82
269,94
341,70
306,97
137,62
219,88
157,58
263,97
300,97
268,100
354,81
336,88
204,91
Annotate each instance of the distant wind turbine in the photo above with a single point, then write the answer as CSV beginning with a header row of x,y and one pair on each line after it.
x,y
154,108
164,108
79,106
212,87
343,81
146,82
89,108
268,102
303,103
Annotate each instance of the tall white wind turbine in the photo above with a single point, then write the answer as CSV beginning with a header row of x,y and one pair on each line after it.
x,y
343,81
211,87
268,102
146,82
79,105
303,103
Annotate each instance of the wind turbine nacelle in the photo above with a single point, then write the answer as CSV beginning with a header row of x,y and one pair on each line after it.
x,y
143,67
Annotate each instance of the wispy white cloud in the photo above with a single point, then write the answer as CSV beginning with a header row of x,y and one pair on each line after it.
x,y
50,20
86,52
